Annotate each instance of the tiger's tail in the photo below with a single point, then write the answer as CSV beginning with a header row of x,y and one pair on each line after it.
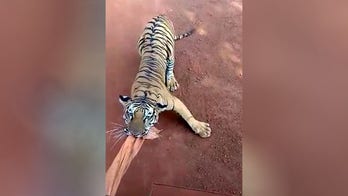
x,y
181,36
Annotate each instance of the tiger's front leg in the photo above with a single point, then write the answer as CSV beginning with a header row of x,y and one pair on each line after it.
x,y
172,84
201,128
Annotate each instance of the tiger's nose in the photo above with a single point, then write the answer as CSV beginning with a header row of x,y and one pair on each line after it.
x,y
136,126
136,132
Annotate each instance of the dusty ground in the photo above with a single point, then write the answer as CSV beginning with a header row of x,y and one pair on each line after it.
x,y
208,68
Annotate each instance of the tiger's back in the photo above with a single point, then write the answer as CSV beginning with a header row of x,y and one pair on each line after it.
x,y
159,35
155,46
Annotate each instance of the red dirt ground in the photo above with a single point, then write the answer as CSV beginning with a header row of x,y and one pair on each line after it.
x,y
208,69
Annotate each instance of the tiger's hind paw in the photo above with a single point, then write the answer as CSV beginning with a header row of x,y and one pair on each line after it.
x,y
172,84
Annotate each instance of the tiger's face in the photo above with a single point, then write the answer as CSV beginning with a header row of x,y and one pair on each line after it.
x,y
139,115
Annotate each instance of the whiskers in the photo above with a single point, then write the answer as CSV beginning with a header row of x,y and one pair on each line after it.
x,y
116,133
121,137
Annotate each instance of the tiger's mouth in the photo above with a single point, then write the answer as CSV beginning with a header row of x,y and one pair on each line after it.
x,y
136,134
153,133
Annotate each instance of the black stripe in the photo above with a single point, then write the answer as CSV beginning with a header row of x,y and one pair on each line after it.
x,y
149,85
173,104
141,41
148,74
151,73
160,47
167,25
147,33
165,49
136,89
155,64
150,28
168,32
145,45
152,51
150,69
164,34
149,78
152,22
141,77
138,101
170,50
151,117
181,36
164,29
163,26
157,39
160,62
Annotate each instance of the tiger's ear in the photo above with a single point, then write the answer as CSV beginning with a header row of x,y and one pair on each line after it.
x,y
161,107
124,100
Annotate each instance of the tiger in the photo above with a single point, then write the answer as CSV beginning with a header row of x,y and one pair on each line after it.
x,y
155,81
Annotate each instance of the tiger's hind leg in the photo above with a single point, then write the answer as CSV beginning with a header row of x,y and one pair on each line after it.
x,y
171,82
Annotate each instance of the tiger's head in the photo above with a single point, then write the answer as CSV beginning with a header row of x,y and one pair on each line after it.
x,y
140,114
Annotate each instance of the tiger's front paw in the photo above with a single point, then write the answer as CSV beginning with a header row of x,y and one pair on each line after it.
x,y
202,129
172,84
